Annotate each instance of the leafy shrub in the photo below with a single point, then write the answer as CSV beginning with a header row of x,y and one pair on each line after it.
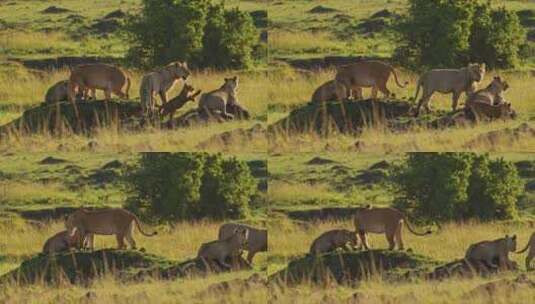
x,y
438,33
450,186
196,31
174,186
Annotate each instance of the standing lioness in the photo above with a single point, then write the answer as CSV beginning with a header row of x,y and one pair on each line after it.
x,y
116,221
382,220
365,74
446,81
160,81
100,76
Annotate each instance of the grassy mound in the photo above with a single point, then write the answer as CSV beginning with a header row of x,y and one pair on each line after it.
x,y
63,117
344,117
82,267
350,267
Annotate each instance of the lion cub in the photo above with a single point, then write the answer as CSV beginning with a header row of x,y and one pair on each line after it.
x,y
187,94
332,240
220,250
531,252
488,251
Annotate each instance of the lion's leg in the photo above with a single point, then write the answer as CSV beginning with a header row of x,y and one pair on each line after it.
x,y
374,92
382,87
250,256
221,261
163,96
129,237
399,240
455,100
94,93
390,239
120,241
107,94
362,235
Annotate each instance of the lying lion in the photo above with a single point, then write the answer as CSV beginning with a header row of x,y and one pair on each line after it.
x,y
220,250
487,252
492,94
531,253
332,240
383,220
215,102
446,81
108,221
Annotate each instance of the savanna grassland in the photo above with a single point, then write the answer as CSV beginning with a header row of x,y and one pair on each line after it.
x,y
28,34
33,187
303,32
300,184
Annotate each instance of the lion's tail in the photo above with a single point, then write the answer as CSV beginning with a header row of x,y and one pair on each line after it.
x,y
145,94
396,78
521,251
138,224
411,229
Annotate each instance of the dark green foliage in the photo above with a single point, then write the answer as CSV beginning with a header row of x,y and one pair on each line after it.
x,y
438,33
195,31
451,186
174,186
496,37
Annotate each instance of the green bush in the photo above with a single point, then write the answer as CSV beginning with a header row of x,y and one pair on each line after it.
x,y
196,31
173,186
439,33
451,186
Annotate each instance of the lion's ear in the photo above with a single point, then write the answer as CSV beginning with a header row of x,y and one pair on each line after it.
x,y
514,237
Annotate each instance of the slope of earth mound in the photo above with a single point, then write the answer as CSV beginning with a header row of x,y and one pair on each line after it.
x,y
82,267
350,267
344,117
352,117
64,117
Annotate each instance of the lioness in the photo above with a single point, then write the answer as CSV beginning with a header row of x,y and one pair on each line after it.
x,y
354,77
220,250
109,221
216,101
455,81
257,240
108,78
62,241
483,110
531,252
60,92
327,92
187,94
160,81
492,94
382,220
487,251
332,240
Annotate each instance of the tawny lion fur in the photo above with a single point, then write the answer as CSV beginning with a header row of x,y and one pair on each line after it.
x,y
257,240
160,81
383,220
352,78
108,221
332,240
487,252
108,78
